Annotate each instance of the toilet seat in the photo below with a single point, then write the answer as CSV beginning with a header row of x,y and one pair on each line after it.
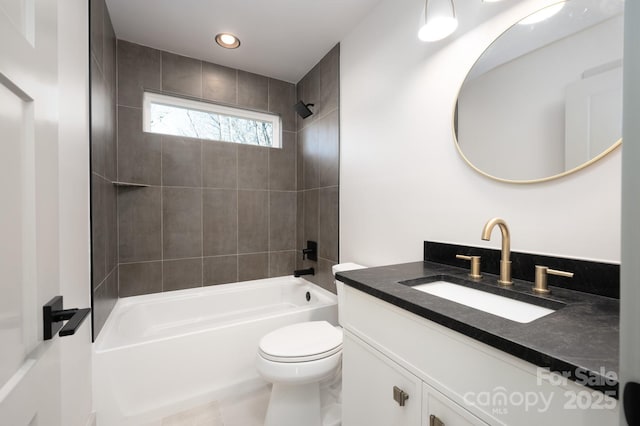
x,y
307,358
295,360
303,342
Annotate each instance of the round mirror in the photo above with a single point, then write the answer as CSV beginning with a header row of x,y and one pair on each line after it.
x,y
545,99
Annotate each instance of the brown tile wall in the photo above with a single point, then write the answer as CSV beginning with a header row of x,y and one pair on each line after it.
x,y
103,165
214,212
318,167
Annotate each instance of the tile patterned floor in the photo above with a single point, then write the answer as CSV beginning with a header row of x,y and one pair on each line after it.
x,y
244,410
208,414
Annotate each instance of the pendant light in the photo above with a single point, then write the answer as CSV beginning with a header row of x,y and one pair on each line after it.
x,y
542,15
439,20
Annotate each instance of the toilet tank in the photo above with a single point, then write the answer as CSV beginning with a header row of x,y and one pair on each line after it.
x,y
341,267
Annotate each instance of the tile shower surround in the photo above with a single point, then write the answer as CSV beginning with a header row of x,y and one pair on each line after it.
x,y
216,212
104,280
318,167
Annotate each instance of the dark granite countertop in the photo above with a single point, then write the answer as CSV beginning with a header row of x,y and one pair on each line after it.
x,y
579,340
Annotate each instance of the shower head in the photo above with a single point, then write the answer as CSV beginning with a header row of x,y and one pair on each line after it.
x,y
303,109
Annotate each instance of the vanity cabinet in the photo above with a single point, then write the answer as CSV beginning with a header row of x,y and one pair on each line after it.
x,y
444,373
368,383
379,392
439,410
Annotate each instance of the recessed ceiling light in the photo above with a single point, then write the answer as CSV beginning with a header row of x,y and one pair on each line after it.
x,y
227,40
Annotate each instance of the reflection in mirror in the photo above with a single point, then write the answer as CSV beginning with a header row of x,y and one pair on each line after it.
x,y
545,98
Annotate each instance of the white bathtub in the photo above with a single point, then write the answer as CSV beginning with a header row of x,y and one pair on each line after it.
x,y
162,352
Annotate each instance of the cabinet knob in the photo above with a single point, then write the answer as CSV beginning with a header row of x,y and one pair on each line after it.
x,y
434,421
400,396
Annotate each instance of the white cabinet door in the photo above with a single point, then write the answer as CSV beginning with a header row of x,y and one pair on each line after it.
x,y
438,410
368,381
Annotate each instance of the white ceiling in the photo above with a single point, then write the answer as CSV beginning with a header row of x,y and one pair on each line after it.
x,y
282,39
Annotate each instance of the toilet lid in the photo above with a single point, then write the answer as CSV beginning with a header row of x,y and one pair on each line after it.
x,y
302,342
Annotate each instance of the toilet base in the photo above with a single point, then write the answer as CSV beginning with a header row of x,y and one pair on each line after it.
x,y
294,405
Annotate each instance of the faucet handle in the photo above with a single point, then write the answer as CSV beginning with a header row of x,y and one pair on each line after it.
x,y
540,286
311,252
475,265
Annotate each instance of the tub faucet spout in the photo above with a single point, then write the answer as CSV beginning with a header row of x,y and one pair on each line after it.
x,y
505,261
300,272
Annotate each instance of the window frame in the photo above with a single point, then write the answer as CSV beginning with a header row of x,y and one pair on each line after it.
x,y
209,107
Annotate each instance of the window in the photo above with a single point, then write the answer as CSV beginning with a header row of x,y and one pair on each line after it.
x,y
170,115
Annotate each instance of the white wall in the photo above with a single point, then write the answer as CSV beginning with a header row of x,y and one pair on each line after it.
x,y
518,108
402,180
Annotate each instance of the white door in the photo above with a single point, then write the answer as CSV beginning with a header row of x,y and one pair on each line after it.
x,y
630,267
593,115
37,140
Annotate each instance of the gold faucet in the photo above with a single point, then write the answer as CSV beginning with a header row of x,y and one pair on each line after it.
x,y
541,278
505,262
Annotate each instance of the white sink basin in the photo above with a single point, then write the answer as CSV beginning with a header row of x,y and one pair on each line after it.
x,y
504,307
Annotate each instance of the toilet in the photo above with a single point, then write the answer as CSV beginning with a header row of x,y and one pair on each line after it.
x,y
296,359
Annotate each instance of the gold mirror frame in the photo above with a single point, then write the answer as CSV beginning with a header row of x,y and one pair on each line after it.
x,y
603,154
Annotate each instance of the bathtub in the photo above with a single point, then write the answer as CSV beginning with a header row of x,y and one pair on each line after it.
x,y
163,352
